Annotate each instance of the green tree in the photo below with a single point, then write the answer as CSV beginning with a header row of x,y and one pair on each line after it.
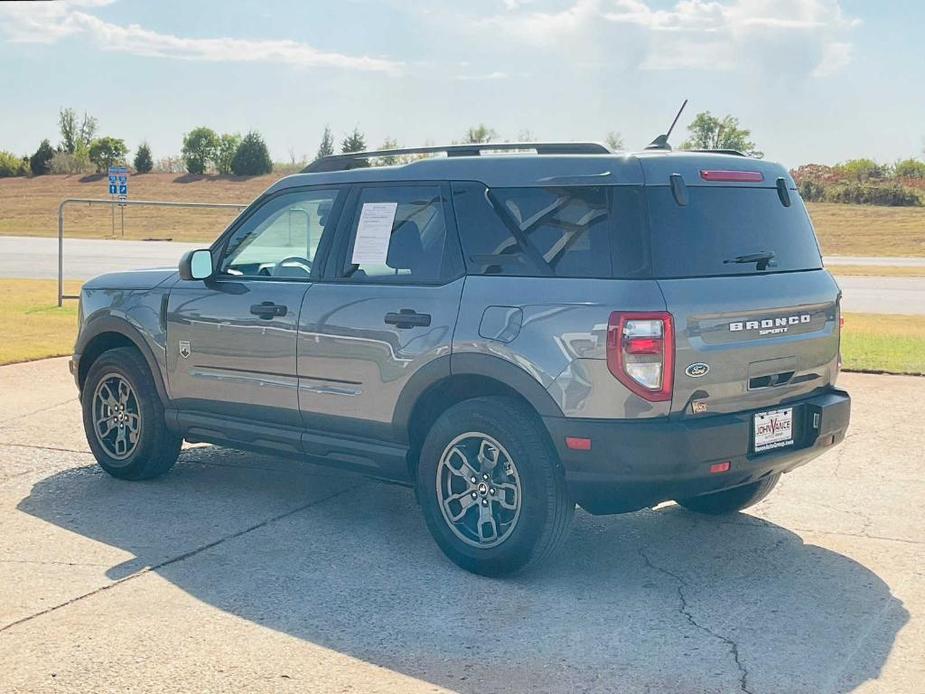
x,y
614,140
909,168
326,148
143,161
389,143
224,153
480,134
199,148
75,136
11,165
38,162
107,151
354,142
860,170
709,132
252,158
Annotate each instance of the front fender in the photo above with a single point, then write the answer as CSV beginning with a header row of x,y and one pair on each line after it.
x,y
113,317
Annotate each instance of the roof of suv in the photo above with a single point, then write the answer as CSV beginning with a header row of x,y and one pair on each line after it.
x,y
524,170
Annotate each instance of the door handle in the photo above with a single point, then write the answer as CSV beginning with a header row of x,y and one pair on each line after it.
x,y
268,310
408,318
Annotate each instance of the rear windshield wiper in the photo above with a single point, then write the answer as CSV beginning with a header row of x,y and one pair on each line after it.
x,y
762,259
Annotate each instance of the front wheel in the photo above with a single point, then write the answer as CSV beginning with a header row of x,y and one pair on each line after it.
x,y
731,500
492,491
124,418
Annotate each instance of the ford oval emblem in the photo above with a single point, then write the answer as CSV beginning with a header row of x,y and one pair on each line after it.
x,y
697,369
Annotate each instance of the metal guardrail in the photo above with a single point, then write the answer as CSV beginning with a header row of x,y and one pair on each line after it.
x,y
90,202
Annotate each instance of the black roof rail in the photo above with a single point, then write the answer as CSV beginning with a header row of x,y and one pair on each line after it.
x,y
353,160
733,152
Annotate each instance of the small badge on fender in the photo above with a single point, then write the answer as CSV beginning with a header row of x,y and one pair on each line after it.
x,y
185,349
697,369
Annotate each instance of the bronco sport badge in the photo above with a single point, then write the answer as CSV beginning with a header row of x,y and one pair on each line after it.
x,y
770,326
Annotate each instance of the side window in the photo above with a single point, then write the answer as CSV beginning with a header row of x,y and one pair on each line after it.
x,y
281,238
398,234
562,232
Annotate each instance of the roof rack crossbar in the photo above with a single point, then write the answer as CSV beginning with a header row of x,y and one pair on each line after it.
x,y
350,160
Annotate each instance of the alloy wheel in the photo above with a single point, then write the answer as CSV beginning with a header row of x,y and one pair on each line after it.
x,y
478,490
116,416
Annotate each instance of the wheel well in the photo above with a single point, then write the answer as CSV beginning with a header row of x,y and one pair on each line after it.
x,y
443,395
96,347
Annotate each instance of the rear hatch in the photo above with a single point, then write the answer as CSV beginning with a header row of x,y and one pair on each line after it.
x,y
755,314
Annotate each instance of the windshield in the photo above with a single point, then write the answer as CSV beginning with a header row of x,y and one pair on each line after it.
x,y
729,231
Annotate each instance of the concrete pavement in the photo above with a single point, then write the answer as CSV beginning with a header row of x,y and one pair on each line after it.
x,y
242,572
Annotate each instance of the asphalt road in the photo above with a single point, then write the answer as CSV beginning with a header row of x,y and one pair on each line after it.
x,y
239,572
29,257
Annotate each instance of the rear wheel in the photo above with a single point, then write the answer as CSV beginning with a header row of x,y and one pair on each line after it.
x,y
491,488
124,418
731,500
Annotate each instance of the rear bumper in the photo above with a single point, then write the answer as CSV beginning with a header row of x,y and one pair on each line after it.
x,y
633,464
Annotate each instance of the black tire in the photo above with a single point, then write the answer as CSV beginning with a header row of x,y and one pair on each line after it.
x,y
731,500
155,448
545,509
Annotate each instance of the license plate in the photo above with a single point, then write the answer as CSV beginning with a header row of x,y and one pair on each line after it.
x,y
773,429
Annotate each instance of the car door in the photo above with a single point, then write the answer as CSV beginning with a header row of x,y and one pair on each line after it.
x,y
385,309
231,340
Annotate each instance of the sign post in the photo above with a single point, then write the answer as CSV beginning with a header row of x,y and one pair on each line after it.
x,y
118,187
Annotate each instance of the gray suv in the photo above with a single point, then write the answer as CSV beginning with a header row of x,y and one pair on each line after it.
x,y
511,335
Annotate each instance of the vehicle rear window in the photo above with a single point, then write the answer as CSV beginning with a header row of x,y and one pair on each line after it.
x,y
554,231
725,230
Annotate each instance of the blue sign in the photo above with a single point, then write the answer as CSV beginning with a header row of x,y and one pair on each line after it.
x,y
118,181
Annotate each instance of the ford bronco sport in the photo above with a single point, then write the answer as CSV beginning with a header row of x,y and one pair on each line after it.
x,y
511,334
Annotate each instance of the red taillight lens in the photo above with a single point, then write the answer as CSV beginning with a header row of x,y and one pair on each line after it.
x,y
732,176
640,352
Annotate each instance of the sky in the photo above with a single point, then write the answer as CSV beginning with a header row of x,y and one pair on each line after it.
x,y
815,80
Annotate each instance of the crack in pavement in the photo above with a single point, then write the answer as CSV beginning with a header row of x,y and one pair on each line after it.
x,y
684,610
43,448
4,422
174,560
51,563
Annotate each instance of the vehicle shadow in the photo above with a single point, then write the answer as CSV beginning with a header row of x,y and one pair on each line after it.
x,y
656,600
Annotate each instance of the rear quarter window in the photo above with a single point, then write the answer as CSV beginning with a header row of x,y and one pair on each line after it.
x,y
550,231
723,223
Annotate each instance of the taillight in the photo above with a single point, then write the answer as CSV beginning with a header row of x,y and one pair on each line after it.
x,y
640,352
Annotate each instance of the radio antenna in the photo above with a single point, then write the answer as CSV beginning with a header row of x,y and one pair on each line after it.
x,y
661,142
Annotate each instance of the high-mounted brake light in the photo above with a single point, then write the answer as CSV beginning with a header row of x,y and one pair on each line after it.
x,y
640,352
732,176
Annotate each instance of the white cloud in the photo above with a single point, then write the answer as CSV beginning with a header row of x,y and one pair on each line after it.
x,y
488,76
52,21
808,36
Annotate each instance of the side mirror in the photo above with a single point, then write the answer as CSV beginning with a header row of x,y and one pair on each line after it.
x,y
196,265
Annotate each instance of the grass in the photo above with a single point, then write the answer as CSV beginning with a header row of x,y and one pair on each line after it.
x,y
875,271
34,326
37,328
30,208
30,205
869,230
892,344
